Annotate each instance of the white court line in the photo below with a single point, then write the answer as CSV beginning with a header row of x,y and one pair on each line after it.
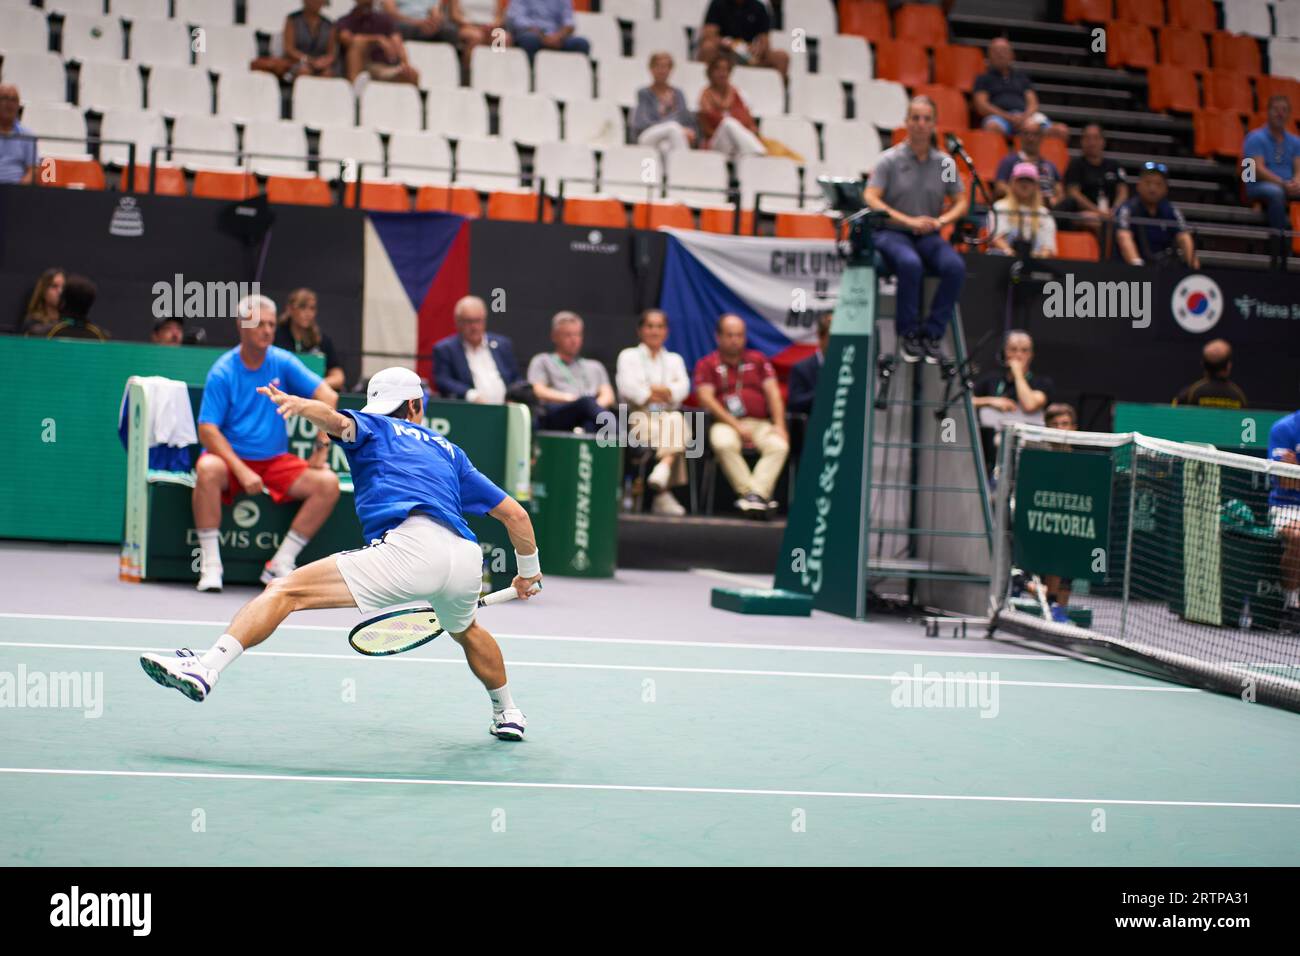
x,y
739,645
642,788
898,677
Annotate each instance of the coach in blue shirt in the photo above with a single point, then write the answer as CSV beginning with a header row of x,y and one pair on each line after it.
x,y
1276,154
1284,505
538,24
474,364
1153,241
246,445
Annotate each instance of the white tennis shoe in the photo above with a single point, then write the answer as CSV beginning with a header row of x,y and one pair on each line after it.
x,y
508,725
182,670
209,580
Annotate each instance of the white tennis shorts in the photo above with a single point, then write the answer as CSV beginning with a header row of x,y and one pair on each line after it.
x,y
1281,515
419,560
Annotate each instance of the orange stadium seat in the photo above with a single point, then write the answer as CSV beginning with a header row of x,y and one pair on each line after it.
x,y
1216,133
921,23
902,61
1295,227
1148,12
1056,153
949,104
654,215
1172,88
959,67
1270,86
1193,14
1185,48
595,211
517,206
1077,245
800,225
721,219
1228,91
70,173
1232,51
379,197
461,200
865,18
1087,11
168,180
986,149
1130,44
216,184
298,191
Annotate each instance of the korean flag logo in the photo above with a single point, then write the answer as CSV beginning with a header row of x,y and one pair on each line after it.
x,y
1197,304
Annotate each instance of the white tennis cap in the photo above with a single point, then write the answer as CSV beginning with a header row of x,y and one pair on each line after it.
x,y
390,388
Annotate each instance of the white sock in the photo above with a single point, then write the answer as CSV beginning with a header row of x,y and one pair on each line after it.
x,y
1293,598
209,550
222,654
290,548
501,699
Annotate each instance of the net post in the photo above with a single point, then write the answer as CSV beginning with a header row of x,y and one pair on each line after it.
x,y
1126,596
1001,560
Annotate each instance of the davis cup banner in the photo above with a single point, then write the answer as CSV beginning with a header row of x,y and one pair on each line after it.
x,y
780,287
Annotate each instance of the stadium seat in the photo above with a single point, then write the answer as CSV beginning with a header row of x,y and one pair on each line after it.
x,y
528,118
563,76
631,173
691,78
1216,133
180,91
761,88
1228,91
564,167
1147,12
134,10
91,38
1054,151
499,71
921,23
40,77
219,184
57,119
602,211
437,64
1269,86
1077,245
518,206
205,12
1172,88
461,200
959,67
353,145
595,123
1295,227
457,112
419,149
324,101
277,147
619,79
1130,44
1185,48
1247,16
800,225
795,132
72,174
1284,57
391,107
903,61
27,30
696,177
207,133
722,219
950,105
650,36
487,164
1237,53
844,57
1288,19
770,181
629,9
299,191
657,215
378,197
250,96
90,8
230,48
159,42
1087,11
800,58
1193,15
265,16
145,130
882,102
987,148
868,19
852,145
817,97
168,180
687,13
604,34
1256,120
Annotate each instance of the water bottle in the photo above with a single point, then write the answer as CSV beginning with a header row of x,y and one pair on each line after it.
x,y
1244,622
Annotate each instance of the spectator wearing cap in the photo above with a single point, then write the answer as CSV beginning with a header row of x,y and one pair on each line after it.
x,y
1149,229
544,24
740,28
1275,152
1094,184
803,375
1005,100
573,390
1214,389
167,330
299,333
474,364
1019,222
1049,177
18,158
43,306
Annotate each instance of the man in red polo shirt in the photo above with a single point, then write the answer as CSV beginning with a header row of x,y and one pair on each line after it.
x,y
738,386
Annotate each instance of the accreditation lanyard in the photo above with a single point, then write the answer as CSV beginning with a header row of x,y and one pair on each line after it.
x,y
735,403
568,372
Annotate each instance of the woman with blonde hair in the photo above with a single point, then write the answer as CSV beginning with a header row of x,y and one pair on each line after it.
x,y
43,307
1021,217
299,333
661,118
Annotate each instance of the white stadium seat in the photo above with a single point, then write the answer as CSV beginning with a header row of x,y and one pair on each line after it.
x,y
391,106
600,30
85,8
1284,58
564,76
420,149
104,85
160,42
817,18
40,77
629,9
572,163
691,78
273,139
852,145
26,31
761,88
53,119
883,102
845,57
487,164
696,177
686,13
180,91
92,38
144,129
817,97
227,48
529,118
436,63
323,101
631,173
795,132
595,122
1286,19
655,36
768,174
134,10
205,13
251,95
362,146
499,71
457,113
204,133
1247,16
783,40
619,79
267,16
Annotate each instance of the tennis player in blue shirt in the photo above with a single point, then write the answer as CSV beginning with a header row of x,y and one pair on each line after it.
x,y
1284,507
412,489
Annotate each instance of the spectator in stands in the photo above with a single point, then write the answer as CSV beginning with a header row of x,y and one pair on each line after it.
x,y
1094,185
803,376
1005,100
299,333
1284,512
1276,155
653,382
544,24
1214,389
474,364
168,330
1139,243
246,448
311,45
661,118
75,304
740,27
910,182
1031,151
372,46
573,391
1019,222
1061,415
1013,393
738,387
725,122
43,306
18,159
424,20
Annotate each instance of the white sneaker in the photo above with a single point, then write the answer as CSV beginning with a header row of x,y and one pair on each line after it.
x,y
271,571
659,476
508,725
666,504
183,671
209,579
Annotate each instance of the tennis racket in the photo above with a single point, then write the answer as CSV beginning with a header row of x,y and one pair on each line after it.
x,y
404,630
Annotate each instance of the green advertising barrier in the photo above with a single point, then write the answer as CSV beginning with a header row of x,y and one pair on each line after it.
x,y
575,504
1062,520
1232,429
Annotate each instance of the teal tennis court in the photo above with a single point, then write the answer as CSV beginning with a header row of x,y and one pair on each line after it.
x,y
660,732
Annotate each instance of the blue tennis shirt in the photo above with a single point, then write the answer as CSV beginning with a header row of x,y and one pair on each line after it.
x,y
250,421
399,467
1284,436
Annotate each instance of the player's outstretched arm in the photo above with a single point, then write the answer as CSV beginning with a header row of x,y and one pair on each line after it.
x,y
318,413
520,529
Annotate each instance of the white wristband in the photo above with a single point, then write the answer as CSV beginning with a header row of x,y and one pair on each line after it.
x,y
530,565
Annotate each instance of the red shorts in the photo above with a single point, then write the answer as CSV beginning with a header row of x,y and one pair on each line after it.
x,y
278,475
